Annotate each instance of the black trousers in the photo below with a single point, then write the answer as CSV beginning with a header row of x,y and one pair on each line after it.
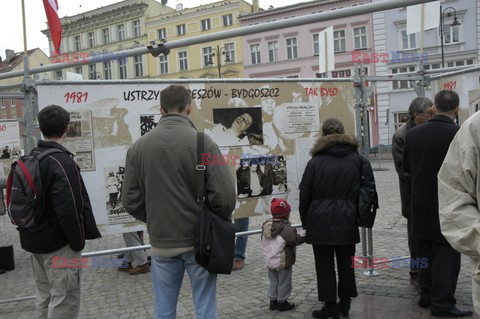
x,y
413,248
438,281
326,276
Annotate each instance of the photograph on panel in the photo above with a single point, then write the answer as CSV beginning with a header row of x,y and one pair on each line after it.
x,y
261,176
114,175
237,126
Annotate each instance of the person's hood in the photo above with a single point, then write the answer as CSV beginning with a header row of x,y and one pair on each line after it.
x,y
273,227
337,145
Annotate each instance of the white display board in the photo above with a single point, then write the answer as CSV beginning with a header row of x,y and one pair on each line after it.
x,y
278,114
465,85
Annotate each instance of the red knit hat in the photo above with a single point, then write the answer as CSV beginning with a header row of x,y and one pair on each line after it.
x,y
280,208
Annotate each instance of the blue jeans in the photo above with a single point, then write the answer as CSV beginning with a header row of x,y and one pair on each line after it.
x,y
241,224
167,277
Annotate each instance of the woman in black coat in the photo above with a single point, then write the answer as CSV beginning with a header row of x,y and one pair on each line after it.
x,y
328,210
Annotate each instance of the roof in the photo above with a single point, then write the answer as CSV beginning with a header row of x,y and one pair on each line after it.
x,y
11,64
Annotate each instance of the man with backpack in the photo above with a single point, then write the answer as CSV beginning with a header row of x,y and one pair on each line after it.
x,y
55,228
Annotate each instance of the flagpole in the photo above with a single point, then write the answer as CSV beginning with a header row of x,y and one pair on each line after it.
x,y
24,28
29,113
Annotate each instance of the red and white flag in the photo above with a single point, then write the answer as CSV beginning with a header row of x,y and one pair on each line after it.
x,y
51,9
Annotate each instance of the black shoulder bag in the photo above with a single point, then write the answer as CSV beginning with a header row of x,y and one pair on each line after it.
x,y
367,202
214,236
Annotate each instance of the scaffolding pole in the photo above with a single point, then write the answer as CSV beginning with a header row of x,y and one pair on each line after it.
x,y
275,25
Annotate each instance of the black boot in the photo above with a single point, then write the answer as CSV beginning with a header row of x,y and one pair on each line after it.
x,y
344,306
330,309
273,305
285,305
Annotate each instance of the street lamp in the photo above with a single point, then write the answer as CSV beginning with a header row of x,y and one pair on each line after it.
x,y
442,21
218,52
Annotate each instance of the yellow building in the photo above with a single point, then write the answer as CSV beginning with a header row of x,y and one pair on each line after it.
x,y
100,32
205,60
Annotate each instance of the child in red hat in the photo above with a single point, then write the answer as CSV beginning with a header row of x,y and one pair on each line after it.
x,y
279,239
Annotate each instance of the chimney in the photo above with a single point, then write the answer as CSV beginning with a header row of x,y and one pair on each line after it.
x,y
255,6
9,54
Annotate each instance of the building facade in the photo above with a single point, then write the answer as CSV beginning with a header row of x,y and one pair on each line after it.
x,y
293,52
460,49
101,32
223,58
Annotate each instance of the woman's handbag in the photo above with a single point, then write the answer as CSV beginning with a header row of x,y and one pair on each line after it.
x,y
214,236
367,201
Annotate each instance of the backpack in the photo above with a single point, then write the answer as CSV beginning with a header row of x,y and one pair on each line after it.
x,y
25,197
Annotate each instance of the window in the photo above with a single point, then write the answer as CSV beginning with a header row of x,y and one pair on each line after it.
x,y
272,51
341,74
92,71
121,32
107,70
451,34
360,36
137,29
255,53
227,20
2,104
137,62
106,36
408,41
122,68
316,48
206,54
162,33
78,46
403,84
230,51
182,61
399,119
205,24
91,39
339,44
163,64
79,70
292,48
59,75
180,29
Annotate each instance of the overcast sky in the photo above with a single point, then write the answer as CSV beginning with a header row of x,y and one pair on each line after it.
x,y
11,28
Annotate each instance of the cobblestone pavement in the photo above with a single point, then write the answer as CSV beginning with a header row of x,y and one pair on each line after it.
x,y
107,293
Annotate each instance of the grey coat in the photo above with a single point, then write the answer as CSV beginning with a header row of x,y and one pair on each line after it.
x,y
160,182
398,146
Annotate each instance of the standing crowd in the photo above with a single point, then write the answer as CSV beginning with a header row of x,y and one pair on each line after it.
x,y
443,217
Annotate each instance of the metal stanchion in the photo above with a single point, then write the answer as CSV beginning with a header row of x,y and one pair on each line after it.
x,y
370,272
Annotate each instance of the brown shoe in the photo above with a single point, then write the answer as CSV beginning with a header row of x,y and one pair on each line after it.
x,y
125,267
238,264
140,269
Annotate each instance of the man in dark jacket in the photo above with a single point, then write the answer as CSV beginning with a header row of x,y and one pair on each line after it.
x,y
425,149
419,112
57,241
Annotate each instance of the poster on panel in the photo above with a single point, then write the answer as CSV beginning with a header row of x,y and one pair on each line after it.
x,y
264,130
10,145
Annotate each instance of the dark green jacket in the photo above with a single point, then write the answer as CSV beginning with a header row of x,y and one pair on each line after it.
x,y
160,182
